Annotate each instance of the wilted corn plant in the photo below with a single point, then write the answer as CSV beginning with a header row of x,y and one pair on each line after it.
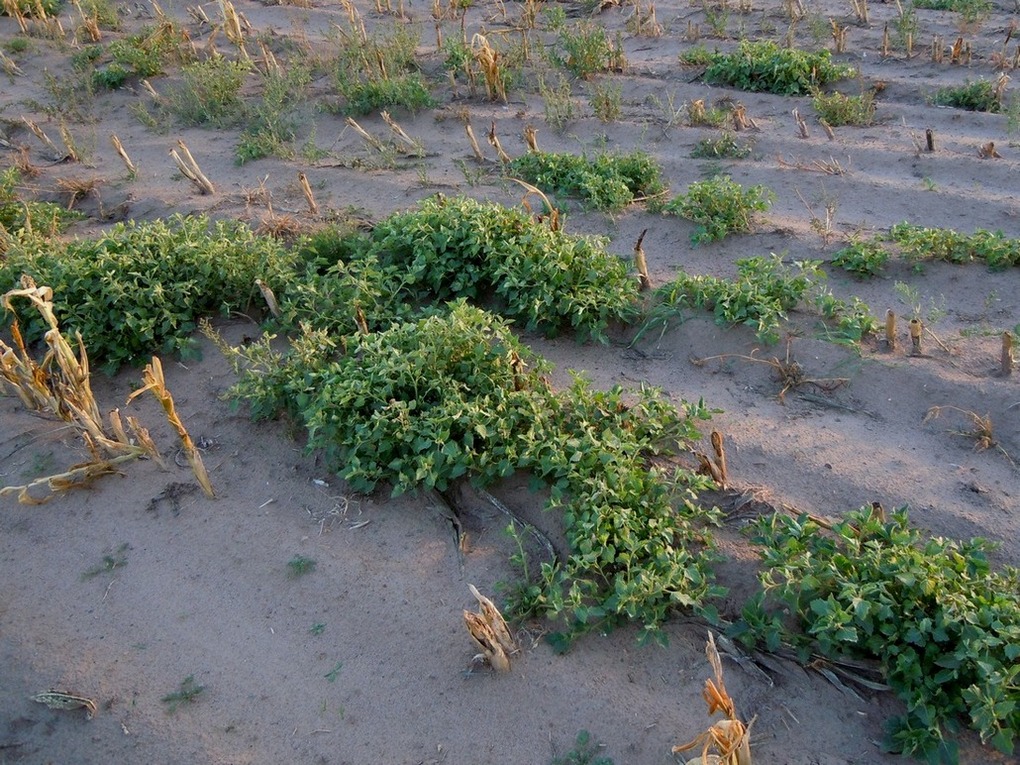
x,y
488,59
729,737
60,385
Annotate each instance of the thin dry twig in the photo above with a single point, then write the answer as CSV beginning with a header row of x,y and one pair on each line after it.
x,y
791,374
981,432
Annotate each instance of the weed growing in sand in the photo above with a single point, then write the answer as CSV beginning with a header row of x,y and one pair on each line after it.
x,y
187,693
210,93
919,244
585,752
111,562
970,10
605,181
944,627
606,101
584,49
317,629
142,286
334,673
837,109
725,146
145,54
17,215
271,123
379,72
473,404
764,66
862,258
299,566
16,45
977,96
557,102
719,207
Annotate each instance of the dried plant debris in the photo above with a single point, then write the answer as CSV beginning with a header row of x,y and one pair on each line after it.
x,y
789,372
730,737
489,632
60,385
981,430
64,700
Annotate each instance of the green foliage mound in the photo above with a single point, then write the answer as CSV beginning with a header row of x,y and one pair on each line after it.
x,y
920,243
454,396
18,215
943,626
720,206
765,290
139,289
763,66
449,248
606,181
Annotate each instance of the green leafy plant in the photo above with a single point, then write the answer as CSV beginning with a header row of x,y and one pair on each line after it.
x,y
943,626
210,93
111,562
605,181
141,287
719,207
971,10
300,565
838,109
188,692
585,752
862,258
919,243
454,396
584,49
763,292
548,280
725,146
764,66
271,124
977,96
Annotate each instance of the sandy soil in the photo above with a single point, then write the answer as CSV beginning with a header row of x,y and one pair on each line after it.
x,y
365,660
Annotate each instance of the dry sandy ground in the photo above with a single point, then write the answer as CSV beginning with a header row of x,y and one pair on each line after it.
x,y
204,590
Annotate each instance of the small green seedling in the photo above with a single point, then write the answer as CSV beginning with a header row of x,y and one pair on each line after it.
x,y
116,559
186,694
299,565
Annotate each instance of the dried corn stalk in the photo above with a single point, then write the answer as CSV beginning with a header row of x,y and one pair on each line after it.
x,y
60,385
494,142
190,169
152,376
123,155
313,206
729,737
553,213
487,58
370,139
489,632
